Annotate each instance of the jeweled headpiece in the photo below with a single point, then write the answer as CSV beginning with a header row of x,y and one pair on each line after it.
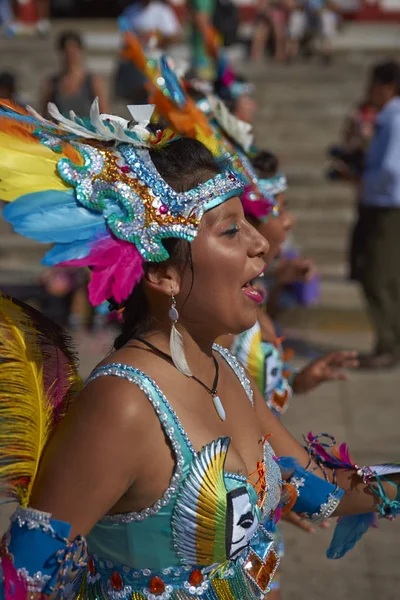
x,y
90,187
216,127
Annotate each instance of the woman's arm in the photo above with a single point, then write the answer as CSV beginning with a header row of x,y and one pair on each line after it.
x,y
358,497
93,457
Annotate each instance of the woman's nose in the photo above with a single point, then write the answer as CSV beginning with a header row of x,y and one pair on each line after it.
x,y
289,221
259,246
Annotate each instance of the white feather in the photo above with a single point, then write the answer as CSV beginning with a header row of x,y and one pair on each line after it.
x,y
178,352
238,130
120,128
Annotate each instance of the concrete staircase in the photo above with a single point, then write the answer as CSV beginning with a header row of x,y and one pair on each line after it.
x,y
301,111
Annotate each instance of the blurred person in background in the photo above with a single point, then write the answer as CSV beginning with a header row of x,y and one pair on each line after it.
x,y
6,15
154,22
156,25
74,87
43,24
270,23
315,19
8,87
379,219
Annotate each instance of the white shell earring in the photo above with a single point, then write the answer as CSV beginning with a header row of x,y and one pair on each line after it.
x,y
176,341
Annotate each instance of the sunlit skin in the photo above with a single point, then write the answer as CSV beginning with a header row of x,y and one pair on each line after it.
x,y
110,453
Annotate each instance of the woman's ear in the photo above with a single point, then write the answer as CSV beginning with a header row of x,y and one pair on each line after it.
x,y
163,279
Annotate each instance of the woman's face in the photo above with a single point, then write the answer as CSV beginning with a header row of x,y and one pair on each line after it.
x,y
73,52
276,229
226,255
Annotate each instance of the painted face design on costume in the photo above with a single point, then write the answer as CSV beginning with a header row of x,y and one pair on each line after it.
x,y
242,522
273,371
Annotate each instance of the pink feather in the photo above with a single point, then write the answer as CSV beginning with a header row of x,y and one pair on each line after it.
x,y
117,267
14,588
259,207
228,77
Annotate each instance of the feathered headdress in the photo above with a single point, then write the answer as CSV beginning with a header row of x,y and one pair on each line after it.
x,y
38,379
218,129
90,187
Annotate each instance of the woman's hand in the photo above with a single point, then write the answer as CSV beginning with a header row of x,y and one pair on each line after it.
x,y
304,524
290,270
327,368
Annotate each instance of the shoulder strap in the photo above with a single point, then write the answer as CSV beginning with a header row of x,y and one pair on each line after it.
x,y
166,414
238,369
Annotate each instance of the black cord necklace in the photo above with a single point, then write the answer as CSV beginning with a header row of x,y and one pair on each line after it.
x,y
212,391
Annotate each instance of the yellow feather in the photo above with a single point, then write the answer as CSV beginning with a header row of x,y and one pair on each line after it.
x,y
26,167
25,413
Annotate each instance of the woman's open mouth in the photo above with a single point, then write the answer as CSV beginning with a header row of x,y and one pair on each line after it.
x,y
252,293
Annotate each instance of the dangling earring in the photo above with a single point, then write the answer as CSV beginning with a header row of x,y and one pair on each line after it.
x,y
176,341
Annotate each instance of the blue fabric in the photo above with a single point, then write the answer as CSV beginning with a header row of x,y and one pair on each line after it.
x,y
53,216
313,493
23,539
381,180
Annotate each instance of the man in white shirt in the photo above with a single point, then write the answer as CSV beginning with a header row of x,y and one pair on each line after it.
x,y
154,22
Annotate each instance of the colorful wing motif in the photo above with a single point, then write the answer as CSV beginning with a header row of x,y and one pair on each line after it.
x,y
199,520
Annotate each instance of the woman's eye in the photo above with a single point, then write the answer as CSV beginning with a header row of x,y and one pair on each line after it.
x,y
231,231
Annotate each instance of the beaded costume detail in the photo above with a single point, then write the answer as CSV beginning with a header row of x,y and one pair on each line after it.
x,y
218,525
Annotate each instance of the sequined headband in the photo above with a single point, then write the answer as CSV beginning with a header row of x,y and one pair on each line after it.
x,y
91,189
274,185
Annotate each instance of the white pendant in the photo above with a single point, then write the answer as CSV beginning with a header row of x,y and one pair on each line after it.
x,y
219,408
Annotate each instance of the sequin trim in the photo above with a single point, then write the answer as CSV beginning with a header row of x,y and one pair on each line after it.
x,y
34,583
237,369
297,482
32,519
326,510
138,377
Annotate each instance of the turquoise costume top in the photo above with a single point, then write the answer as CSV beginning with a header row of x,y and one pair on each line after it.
x,y
195,539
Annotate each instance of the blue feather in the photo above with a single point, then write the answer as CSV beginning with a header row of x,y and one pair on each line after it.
x,y
172,83
65,252
53,216
7,112
287,465
348,531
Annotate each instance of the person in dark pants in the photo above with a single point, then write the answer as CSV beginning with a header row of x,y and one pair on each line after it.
x,y
378,254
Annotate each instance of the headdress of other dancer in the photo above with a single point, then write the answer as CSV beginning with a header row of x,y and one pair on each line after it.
x,y
89,186
221,131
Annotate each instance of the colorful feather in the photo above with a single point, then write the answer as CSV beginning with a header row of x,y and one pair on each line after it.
x,y
61,377
329,454
348,531
53,216
35,389
116,268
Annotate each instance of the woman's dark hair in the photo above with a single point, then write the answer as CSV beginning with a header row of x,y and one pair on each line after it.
x,y
387,73
266,164
183,164
69,36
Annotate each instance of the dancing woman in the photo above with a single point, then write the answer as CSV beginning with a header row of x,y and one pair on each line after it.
x,y
168,462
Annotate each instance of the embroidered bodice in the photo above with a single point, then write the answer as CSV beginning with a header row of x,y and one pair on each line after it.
x,y
265,362
207,522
